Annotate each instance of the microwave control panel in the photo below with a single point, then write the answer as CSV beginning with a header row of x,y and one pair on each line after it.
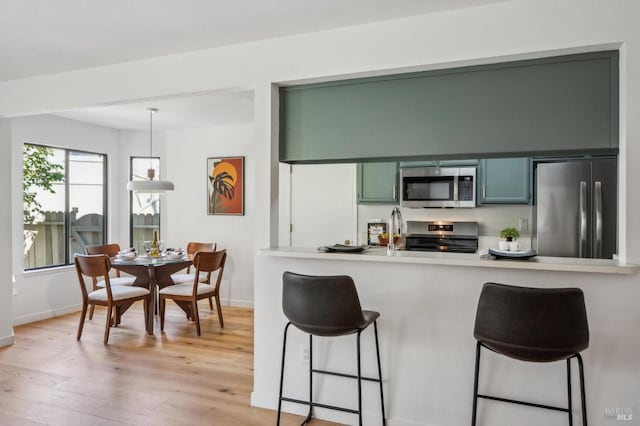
x,y
465,188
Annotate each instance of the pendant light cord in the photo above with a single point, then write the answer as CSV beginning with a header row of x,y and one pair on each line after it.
x,y
151,111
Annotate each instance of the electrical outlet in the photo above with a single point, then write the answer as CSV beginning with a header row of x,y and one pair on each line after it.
x,y
523,224
15,291
304,353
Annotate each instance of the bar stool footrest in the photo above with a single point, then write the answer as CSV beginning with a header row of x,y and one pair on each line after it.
x,y
317,404
349,376
530,404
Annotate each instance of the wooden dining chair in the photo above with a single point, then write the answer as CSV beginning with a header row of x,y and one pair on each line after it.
x,y
204,262
110,250
192,248
97,267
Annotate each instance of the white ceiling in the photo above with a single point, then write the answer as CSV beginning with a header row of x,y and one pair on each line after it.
x,y
44,36
185,112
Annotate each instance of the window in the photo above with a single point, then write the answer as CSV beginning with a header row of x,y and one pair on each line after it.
x,y
144,211
64,195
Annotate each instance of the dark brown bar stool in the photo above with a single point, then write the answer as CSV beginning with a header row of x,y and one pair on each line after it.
x,y
326,306
532,324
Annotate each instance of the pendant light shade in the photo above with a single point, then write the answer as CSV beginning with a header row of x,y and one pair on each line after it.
x,y
150,185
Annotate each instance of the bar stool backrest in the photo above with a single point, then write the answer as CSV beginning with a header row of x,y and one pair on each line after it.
x,y
322,305
532,324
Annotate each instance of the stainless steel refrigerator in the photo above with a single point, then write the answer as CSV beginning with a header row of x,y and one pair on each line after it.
x,y
576,208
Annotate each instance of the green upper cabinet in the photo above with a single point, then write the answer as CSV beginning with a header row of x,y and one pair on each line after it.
x,y
549,106
377,183
505,181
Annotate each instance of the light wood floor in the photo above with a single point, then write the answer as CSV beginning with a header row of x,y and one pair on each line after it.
x,y
173,378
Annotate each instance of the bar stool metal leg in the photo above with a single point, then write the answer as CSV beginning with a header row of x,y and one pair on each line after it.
x,y
359,383
475,386
308,418
375,331
570,408
284,348
584,398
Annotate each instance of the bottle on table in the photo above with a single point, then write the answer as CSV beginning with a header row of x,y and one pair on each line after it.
x,y
154,252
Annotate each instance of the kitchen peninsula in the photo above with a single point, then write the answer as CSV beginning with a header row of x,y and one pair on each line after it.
x,y
427,303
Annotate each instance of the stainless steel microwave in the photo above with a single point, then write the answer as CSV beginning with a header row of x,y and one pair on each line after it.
x,y
438,187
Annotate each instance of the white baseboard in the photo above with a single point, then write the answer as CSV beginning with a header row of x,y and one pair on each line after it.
x,y
237,303
268,401
39,316
7,340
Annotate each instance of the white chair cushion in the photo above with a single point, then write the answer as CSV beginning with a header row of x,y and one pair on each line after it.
x,y
119,293
186,289
117,281
188,278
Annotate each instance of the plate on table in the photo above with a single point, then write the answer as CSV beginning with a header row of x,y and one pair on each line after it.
x,y
146,257
341,248
514,255
175,256
126,257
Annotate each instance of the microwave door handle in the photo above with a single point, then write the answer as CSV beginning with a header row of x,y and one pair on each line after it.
x,y
455,188
582,250
597,195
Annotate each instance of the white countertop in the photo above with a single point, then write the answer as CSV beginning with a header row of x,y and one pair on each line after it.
x,y
542,263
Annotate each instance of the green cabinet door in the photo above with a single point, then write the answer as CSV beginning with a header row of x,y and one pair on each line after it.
x,y
377,183
505,181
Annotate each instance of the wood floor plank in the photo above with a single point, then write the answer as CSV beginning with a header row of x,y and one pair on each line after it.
x,y
171,378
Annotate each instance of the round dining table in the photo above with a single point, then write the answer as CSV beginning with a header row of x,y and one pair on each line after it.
x,y
153,273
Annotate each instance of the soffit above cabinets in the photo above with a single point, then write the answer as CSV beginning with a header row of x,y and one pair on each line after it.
x,y
551,106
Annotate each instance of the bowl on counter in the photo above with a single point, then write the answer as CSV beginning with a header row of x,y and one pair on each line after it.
x,y
385,241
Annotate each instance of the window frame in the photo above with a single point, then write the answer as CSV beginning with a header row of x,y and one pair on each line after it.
x,y
67,212
131,160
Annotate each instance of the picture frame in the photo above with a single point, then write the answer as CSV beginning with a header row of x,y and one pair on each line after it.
x,y
374,229
225,186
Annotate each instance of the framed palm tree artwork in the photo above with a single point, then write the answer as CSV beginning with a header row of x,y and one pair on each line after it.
x,y
225,185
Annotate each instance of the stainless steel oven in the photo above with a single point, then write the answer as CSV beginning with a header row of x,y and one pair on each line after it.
x,y
452,237
438,187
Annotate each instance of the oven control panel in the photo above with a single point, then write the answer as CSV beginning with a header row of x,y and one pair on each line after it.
x,y
440,228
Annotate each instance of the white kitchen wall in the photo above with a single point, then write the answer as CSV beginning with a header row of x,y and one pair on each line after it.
x,y
323,204
50,292
186,207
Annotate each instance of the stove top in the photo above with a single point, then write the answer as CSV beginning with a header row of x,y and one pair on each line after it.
x,y
444,236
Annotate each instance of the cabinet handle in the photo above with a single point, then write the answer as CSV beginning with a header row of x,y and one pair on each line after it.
x,y
394,192
484,191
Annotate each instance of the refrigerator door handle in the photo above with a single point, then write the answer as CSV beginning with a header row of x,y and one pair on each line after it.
x,y
597,196
582,251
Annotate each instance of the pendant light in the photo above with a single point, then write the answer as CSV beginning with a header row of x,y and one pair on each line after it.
x,y
150,185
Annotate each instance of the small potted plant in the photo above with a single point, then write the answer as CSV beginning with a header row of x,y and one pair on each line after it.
x,y
509,234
